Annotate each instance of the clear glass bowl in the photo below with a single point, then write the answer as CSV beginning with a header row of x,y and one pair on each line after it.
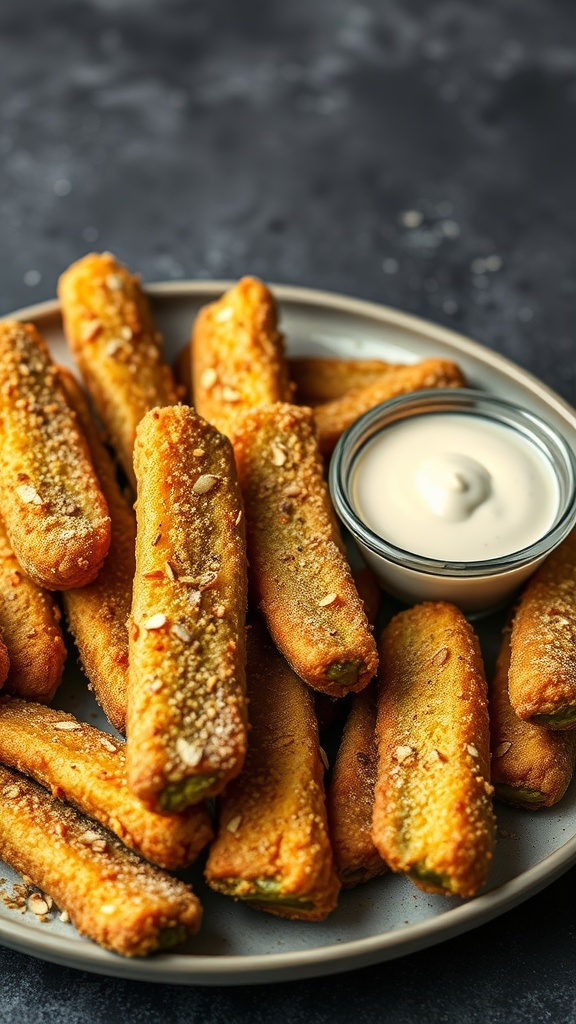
x,y
475,586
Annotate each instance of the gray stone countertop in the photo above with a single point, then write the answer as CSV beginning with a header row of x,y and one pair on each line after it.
x,y
414,153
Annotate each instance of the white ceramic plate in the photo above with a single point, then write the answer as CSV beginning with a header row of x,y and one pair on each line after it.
x,y
389,916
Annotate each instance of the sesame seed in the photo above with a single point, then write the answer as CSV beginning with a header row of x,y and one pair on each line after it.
x,y
205,483
234,823
67,726
328,600
114,282
279,454
230,395
181,632
189,753
471,750
198,453
208,378
402,753
224,314
238,518
90,328
28,494
324,757
65,917
104,742
502,749
155,621
37,904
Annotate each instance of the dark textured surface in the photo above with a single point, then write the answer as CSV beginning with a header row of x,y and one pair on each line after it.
x,y
300,140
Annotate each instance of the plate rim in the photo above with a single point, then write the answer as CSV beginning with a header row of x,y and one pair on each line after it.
x,y
198,969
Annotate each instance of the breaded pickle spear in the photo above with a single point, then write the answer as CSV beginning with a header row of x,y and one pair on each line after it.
x,y
531,766
186,708
351,795
114,340
321,380
433,817
54,511
298,570
110,894
272,848
542,676
238,355
97,614
333,418
87,768
29,618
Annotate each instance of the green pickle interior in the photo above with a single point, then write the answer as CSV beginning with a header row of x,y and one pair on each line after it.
x,y
558,719
171,937
269,890
344,673
519,795
179,795
421,874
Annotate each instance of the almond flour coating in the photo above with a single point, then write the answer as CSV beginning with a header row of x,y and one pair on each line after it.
x,y
322,380
186,709
114,340
87,768
351,795
238,355
433,816
542,677
298,569
97,614
110,894
55,514
333,418
272,848
29,618
531,766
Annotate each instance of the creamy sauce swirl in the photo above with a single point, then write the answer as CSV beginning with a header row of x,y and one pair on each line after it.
x,y
455,487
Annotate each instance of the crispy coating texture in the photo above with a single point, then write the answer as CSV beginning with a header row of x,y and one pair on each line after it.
x,y
110,894
369,591
322,380
531,766
86,767
238,355
54,511
542,677
111,332
97,614
333,418
186,709
433,816
272,848
29,617
298,569
351,795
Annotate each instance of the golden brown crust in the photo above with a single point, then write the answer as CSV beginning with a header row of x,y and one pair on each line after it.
x,y
110,894
238,355
114,340
186,708
432,815
55,514
29,618
322,380
531,766
298,570
87,768
333,418
4,662
542,677
351,795
97,614
272,829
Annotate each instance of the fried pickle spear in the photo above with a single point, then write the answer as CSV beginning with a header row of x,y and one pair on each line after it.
x,y
542,676
97,614
238,355
272,848
433,817
114,340
531,766
110,894
186,708
298,569
333,418
321,380
87,768
54,511
351,795
29,618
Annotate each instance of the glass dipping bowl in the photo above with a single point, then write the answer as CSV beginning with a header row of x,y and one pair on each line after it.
x,y
477,587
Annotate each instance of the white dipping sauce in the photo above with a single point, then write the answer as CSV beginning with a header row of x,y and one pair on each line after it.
x,y
455,487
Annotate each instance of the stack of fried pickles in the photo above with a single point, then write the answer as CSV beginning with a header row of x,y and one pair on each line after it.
x,y
215,622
